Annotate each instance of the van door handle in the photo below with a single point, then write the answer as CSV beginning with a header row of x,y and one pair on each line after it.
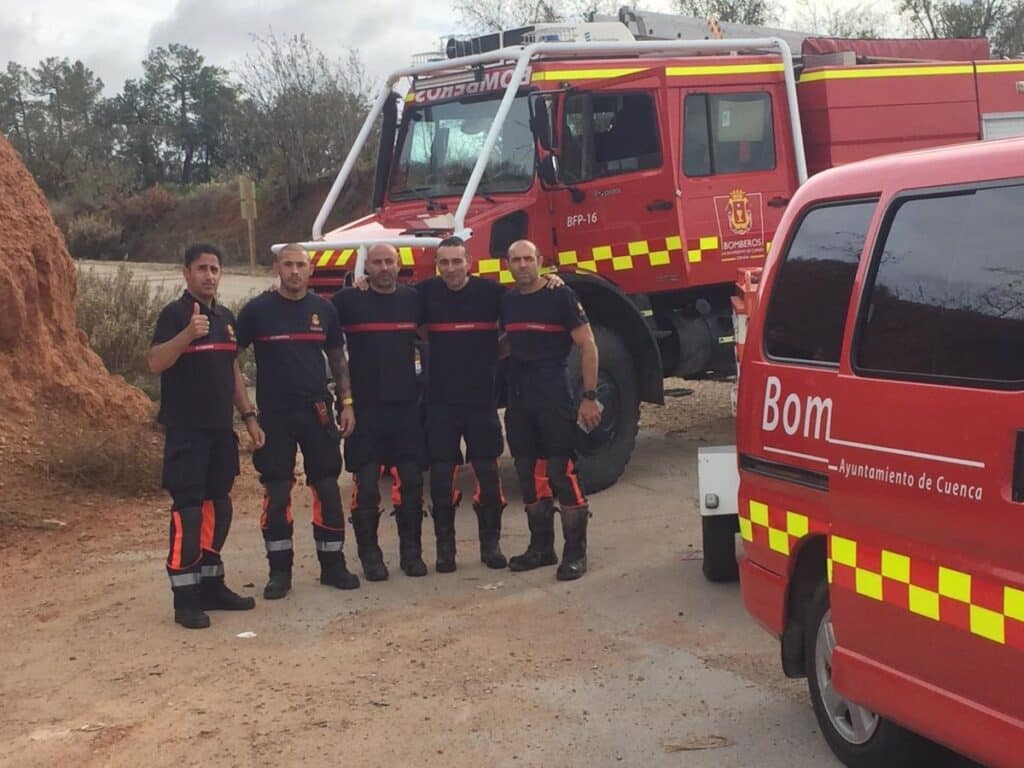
x,y
778,202
660,205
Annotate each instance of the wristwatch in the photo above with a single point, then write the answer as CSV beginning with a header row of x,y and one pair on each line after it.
x,y
248,415
589,394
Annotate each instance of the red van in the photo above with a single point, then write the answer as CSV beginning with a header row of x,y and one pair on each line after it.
x,y
880,441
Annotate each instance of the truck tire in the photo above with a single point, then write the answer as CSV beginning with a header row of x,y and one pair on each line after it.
x,y
719,536
857,736
604,453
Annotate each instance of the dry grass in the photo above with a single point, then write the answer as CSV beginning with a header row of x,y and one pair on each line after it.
x,y
120,463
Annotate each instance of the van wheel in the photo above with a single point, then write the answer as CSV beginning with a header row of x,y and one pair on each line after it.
x,y
604,453
858,737
719,534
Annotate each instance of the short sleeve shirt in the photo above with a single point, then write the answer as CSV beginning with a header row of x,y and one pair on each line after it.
x,y
197,392
463,332
539,327
290,337
380,331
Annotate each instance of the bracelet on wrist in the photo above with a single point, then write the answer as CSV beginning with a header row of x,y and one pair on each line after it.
x,y
248,415
346,401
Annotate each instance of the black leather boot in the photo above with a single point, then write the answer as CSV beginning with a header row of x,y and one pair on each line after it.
x,y
489,526
337,574
187,609
410,546
444,532
541,551
216,596
278,585
574,555
365,523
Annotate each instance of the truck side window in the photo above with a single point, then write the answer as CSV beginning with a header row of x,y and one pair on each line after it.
x,y
945,300
727,133
811,292
607,134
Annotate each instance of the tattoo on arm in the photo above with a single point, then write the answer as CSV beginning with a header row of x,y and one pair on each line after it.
x,y
339,369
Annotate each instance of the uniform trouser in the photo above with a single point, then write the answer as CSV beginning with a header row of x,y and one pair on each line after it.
x,y
544,434
388,438
286,432
448,426
199,469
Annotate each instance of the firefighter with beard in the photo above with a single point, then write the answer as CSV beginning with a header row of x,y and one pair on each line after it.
x,y
380,326
194,350
293,330
541,420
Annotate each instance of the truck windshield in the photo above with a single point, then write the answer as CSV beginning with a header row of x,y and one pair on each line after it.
x,y
438,145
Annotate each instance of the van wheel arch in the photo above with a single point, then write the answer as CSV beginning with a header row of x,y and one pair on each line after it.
x,y
808,571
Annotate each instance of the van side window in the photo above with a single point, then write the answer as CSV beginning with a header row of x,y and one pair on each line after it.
x,y
727,133
607,134
945,300
811,292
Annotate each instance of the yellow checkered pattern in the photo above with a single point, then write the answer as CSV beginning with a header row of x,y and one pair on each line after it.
x,y
704,245
970,602
780,532
485,267
623,256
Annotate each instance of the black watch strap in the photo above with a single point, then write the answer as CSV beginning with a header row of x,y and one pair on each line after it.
x,y
589,394
248,415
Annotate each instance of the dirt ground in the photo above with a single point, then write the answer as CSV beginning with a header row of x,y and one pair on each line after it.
x,y
641,662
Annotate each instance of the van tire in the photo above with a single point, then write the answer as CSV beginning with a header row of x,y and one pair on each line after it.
x,y
882,743
719,537
600,464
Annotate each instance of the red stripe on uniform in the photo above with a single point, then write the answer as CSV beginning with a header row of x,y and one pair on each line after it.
x,y
369,327
542,327
223,346
294,337
449,327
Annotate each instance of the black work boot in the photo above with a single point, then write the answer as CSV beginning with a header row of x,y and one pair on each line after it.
x,y
214,595
574,555
444,532
365,523
541,551
410,547
489,526
335,573
187,609
278,585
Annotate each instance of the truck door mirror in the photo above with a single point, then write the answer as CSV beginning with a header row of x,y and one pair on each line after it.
x,y
541,122
548,170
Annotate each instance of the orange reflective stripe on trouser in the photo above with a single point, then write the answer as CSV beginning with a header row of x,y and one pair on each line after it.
x,y
456,493
396,486
266,506
501,488
174,561
540,480
318,508
207,529
570,473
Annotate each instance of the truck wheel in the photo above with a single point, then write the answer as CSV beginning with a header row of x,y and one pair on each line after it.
x,y
719,534
605,452
858,737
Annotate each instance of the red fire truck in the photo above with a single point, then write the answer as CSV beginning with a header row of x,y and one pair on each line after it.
x,y
646,171
880,436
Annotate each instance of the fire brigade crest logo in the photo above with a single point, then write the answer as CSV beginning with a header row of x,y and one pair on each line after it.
x,y
738,210
315,319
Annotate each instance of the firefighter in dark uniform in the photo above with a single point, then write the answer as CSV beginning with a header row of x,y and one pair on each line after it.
x,y
380,327
193,350
541,421
292,330
460,315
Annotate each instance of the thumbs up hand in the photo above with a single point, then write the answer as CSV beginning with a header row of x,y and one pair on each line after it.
x,y
199,324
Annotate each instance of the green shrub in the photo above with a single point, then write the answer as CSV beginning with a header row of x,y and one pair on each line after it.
x,y
93,236
118,313
126,463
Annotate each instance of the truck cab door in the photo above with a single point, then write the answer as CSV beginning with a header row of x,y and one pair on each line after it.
x,y
737,174
614,208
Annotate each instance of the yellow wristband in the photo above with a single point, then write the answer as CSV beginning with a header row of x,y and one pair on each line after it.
x,y
346,401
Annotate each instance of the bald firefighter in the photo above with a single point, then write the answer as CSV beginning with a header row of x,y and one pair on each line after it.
x,y
194,350
541,419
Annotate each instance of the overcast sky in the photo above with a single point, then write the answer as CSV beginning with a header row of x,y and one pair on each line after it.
x,y
113,36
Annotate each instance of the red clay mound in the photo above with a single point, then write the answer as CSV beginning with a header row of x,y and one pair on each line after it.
x,y
47,371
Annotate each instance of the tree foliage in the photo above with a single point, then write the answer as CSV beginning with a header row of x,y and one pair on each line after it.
x,y
756,12
1001,21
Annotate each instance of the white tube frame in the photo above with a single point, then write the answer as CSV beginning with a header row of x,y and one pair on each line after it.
x,y
522,56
